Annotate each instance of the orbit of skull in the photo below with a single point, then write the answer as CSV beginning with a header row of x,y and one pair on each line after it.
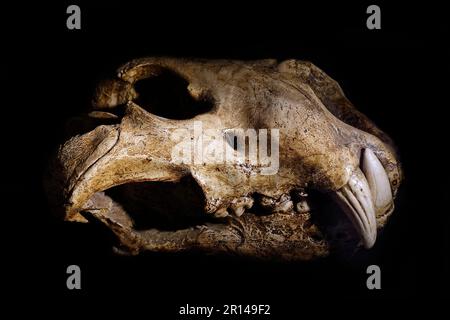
x,y
334,185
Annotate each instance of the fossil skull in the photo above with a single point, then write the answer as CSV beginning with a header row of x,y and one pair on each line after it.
x,y
122,170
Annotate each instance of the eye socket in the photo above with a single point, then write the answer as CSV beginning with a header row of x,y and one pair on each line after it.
x,y
166,95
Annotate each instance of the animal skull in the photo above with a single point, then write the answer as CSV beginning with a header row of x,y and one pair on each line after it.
x,y
123,172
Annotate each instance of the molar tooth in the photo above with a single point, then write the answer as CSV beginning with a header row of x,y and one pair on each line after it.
x,y
282,204
221,213
267,202
238,211
239,205
302,207
285,206
247,202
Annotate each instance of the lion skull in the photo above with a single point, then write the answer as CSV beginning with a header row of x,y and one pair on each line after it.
x,y
124,171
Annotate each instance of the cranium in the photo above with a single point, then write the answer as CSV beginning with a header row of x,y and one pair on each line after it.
x,y
123,173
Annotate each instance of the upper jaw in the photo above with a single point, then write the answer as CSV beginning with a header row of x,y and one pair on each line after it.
x,y
366,198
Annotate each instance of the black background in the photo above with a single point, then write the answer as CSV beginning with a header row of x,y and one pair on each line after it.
x,y
395,75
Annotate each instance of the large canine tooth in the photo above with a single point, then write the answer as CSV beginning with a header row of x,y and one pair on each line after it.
x,y
356,201
378,182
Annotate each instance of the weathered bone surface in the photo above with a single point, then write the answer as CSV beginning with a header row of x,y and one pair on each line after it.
x,y
122,173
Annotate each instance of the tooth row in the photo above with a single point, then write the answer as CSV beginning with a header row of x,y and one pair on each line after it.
x,y
237,207
283,204
366,196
